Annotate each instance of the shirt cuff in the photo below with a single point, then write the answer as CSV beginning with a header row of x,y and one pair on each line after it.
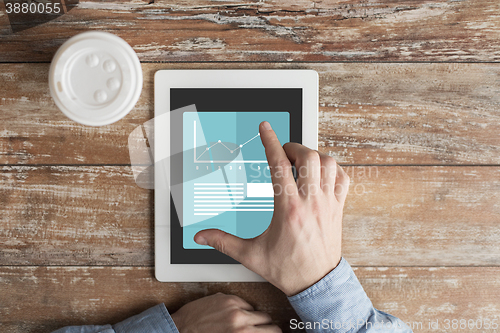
x,y
154,320
337,298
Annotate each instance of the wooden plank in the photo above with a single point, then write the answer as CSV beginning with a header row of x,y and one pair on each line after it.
x,y
410,113
75,215
82,295
369,113
37,132
423,216
394,216
277,31
37,299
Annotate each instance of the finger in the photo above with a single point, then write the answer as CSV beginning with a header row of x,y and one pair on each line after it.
x,y
328,173
258,318
267,329
232,300
241,303
228,244
341,184
281,169
307,165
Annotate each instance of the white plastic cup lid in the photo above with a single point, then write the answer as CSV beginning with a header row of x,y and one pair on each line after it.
x,y
95,78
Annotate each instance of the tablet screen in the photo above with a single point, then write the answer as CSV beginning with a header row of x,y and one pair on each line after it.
x,y
226,182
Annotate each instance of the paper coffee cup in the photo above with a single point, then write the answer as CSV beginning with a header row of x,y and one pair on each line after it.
x,y
95,78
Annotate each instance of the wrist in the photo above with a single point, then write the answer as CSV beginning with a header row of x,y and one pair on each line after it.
x,y
177,319
305,281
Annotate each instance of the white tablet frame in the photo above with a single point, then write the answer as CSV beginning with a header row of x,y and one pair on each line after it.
x,y
164,80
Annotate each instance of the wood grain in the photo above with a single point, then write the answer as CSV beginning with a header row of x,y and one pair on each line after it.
x,y
394,216
75,215
77,233
35,131
438,114
422,216
82,295
277,31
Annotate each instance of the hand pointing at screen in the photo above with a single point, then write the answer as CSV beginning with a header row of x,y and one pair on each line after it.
x,y
299,253
303,242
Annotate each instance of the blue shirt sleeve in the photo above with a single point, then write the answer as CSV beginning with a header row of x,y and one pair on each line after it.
x,y
154,320
338,303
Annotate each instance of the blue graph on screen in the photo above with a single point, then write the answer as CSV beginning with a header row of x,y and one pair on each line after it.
x,y
221,151
226,134
226,178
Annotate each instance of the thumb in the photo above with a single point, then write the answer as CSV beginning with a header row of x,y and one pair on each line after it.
x,y
228,244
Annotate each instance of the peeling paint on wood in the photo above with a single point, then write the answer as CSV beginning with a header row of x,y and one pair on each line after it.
x,y
81,295
79,215
369,114
278,31
397,216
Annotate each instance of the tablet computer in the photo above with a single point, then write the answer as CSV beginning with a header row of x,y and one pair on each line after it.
x,y
210,166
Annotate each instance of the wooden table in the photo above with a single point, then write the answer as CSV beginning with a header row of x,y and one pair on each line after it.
x,y
409,105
